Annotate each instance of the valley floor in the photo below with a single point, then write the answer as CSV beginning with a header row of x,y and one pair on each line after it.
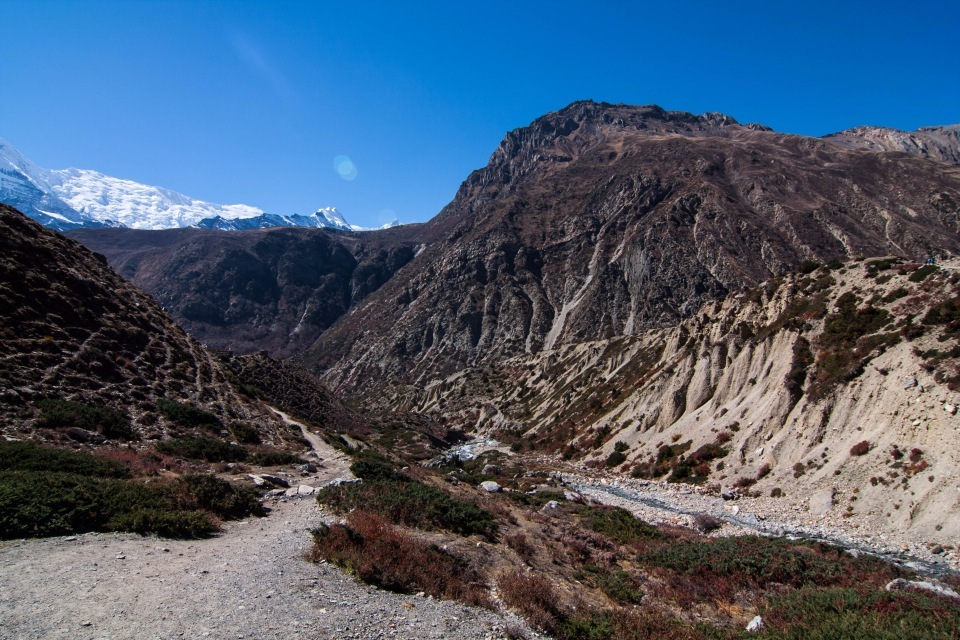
x,y
250,582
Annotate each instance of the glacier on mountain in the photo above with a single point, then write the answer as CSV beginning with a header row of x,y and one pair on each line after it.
x,y
70,198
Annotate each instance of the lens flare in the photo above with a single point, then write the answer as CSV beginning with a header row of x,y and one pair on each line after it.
x,y
345,168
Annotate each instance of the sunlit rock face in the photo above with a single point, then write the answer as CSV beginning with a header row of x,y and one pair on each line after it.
x,y
599,220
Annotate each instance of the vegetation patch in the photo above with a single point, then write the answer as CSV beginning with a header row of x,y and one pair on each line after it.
x,y
403,500
383,555
854,614
618,524
87,493
720,566
188,415
207,449
64,414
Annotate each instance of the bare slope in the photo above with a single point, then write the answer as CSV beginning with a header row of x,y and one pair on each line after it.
x,y
273,289
601,220
838,388
72,329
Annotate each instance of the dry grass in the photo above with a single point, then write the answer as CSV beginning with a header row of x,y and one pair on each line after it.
x,y
389,557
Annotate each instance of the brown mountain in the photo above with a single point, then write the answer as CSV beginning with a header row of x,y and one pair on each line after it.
x,y
72,330
273,289
935,143
600,220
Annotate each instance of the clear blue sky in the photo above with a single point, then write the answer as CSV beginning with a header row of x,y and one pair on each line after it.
x,y
251,102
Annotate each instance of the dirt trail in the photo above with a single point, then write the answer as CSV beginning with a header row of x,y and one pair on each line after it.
x,y
250,582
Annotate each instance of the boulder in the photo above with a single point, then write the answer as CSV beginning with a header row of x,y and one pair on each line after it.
x,y
755,625
275,480
553,504
821,502
729,493
490,486
930,586
490,469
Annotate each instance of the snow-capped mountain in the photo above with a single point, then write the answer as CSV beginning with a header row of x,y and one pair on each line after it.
x,y
328,217
71,198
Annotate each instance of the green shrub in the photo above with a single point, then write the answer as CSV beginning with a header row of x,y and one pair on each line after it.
x,y
620,587
210,493
194,448
618,524
163,523
187,415
39,503
856,614
63,414
757,562
245,433
615,458
274,458
411,503
28,456
921,274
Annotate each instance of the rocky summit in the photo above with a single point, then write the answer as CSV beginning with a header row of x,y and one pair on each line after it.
x,y
600,220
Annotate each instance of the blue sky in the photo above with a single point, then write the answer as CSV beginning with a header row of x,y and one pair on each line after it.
x,y
252,102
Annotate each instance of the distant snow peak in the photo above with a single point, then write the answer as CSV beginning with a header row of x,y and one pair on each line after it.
x,y
69,198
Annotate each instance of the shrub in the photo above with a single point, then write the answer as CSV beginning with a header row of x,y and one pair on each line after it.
x,y
167,524
383,555
245,433
921,274
616,458
63,414
210,493
705,523
763,471
620,587
28,456
187,415
403,500
619,524
274,458
860,449
532,596
521,545
195,448
725,564
852,614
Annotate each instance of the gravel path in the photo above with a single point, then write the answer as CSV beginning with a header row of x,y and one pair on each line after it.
x,y
249,582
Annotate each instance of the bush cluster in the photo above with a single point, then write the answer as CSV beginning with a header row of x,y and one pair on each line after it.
x,y
197,448
64,414
84,493
383,555
404,500
187,415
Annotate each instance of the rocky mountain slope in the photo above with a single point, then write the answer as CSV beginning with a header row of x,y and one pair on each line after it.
x,y
74,331
273,289
935,143
602,220
837,389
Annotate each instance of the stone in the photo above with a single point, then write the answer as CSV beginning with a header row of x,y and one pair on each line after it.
x,y
275,480
257,480
950,408
909,383
306,490
490,486
930,586
553,504
572,496
490,469
728,493
821,502
306,468
755,625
